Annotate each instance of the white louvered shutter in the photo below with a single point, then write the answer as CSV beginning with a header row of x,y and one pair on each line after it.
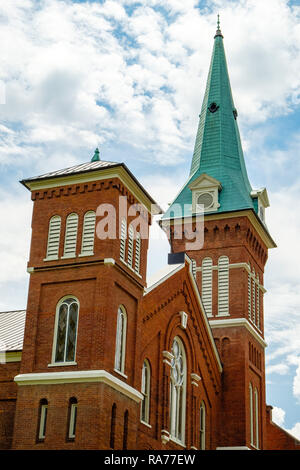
x,y
207,285
258,303
130,245
53,237
71,236
123,239
253,297
137,253
249,296
88,233
194,265
223,286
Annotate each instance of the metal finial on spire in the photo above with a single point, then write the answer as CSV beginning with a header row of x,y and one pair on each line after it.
x,y
218,33
96,157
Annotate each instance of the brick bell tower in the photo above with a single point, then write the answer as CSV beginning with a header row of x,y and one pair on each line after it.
x,y
229,267
87,275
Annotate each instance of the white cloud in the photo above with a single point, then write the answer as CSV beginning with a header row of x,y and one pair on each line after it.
x,y
278,415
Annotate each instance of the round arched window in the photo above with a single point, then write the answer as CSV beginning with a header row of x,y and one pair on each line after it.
x,y
206,199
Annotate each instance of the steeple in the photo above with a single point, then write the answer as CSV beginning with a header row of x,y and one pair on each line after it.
x,y
218,152
96,157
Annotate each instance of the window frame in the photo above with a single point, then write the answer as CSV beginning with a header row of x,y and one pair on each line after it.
x,y
120,345
178,401
54,362
85,232
42,421
72,422
146,392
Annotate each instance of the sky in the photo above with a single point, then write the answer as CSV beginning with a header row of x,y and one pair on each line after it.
x,y
128,76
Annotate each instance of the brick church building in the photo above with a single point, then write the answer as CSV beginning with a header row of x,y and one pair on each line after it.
x,y
104,358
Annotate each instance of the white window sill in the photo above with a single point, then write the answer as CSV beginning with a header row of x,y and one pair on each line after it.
x,y
146,424
88,253
51,258
59,364
69,256
121,373
176,441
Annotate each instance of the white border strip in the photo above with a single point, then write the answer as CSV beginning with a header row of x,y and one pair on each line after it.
x,y
52,378
238,322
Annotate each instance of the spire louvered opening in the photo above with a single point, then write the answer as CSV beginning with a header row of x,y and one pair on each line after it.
x,y
53,237
223,286
207,285
88,233
71,236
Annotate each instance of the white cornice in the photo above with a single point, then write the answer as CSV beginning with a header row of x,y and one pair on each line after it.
x,y
84,376
233,322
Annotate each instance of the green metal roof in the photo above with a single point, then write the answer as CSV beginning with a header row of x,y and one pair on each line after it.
x,y
218,151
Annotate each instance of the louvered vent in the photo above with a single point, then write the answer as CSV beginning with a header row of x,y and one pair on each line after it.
x,y
253,297
207,285
258,304
249,296
53,237
194,265
223,286
71,236
130,245
123,239
137,253
88,233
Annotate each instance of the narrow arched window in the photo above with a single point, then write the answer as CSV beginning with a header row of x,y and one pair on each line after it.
x,y
123,239
65,335
72,418
137,253
178,391
125,430
207,285
88,234
121,339
113,426
71,236
202,426
223,286
251,414
130,245
53,237
256,418
145,404
43,411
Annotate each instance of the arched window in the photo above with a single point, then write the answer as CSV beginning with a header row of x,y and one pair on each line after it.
x,y
71,236
145,404
178,391
125,430
88,234
202,425
53,237
256,419
43,410
130,245
121,339
72,418
137,253
65,334
207,285
123,239
251,414
223,286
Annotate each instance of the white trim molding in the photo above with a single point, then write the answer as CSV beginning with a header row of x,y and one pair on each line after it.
x,y
233,322
234,448
84,376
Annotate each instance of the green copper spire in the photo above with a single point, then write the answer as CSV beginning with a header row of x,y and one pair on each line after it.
x,y
96,157
218,151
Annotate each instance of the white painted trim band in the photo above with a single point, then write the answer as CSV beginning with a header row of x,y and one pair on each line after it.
x,y
238,322
52,378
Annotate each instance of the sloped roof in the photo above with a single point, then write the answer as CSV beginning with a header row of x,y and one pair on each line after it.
x,y
218,150
12,326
